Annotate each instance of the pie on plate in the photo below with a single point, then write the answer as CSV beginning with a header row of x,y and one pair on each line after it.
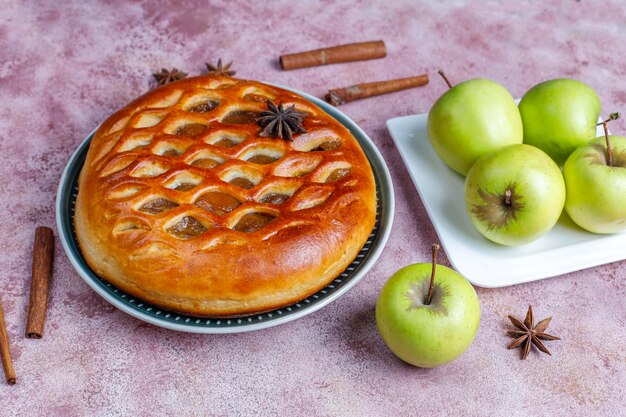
x,y
184,204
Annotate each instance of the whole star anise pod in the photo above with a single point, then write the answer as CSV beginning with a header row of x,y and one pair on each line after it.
x,y
169,76
279,122
219,69
528,334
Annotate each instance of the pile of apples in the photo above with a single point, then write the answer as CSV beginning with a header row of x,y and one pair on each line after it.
x,y
511,155
515,192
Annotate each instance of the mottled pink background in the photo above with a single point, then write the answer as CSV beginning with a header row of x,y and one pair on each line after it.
x,y
65,66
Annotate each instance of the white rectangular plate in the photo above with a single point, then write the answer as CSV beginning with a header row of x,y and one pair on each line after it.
x,y
565,248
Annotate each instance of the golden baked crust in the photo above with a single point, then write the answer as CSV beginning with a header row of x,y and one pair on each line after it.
x,y
186,211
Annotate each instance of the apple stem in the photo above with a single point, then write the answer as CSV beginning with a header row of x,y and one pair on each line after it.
x,y
443,75
609,154
434,249
507,197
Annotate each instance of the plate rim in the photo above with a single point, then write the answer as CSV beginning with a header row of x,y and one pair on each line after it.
x,y
385,225
585,261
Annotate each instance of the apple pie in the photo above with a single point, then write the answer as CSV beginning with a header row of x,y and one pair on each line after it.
x,y
219,197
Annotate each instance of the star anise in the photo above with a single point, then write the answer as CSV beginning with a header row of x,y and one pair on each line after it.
x,y
169,76
219,69
528,334
279,122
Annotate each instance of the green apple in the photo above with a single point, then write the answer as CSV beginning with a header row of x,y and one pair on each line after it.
x,y
596,184
427,314
559,116
514,195
472,119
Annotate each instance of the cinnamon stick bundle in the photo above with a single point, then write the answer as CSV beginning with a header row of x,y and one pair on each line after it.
x,y
7,363
339,96
334,55
43,252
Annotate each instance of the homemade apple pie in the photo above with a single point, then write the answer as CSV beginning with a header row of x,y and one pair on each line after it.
x,y
214,196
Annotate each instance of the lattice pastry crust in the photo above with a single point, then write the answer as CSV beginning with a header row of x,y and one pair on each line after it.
x,y
183,205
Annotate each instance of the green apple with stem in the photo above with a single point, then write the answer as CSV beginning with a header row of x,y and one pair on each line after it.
x,y
472,119
595,179
514,195
559,116
427,314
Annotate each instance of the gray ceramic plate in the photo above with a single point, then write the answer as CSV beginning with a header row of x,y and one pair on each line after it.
x,y
66,198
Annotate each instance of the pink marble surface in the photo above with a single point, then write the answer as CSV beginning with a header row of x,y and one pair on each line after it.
x,y
65,66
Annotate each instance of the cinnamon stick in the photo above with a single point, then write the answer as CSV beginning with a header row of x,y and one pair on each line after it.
x,y
7,363
43,252
339,96
334,55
